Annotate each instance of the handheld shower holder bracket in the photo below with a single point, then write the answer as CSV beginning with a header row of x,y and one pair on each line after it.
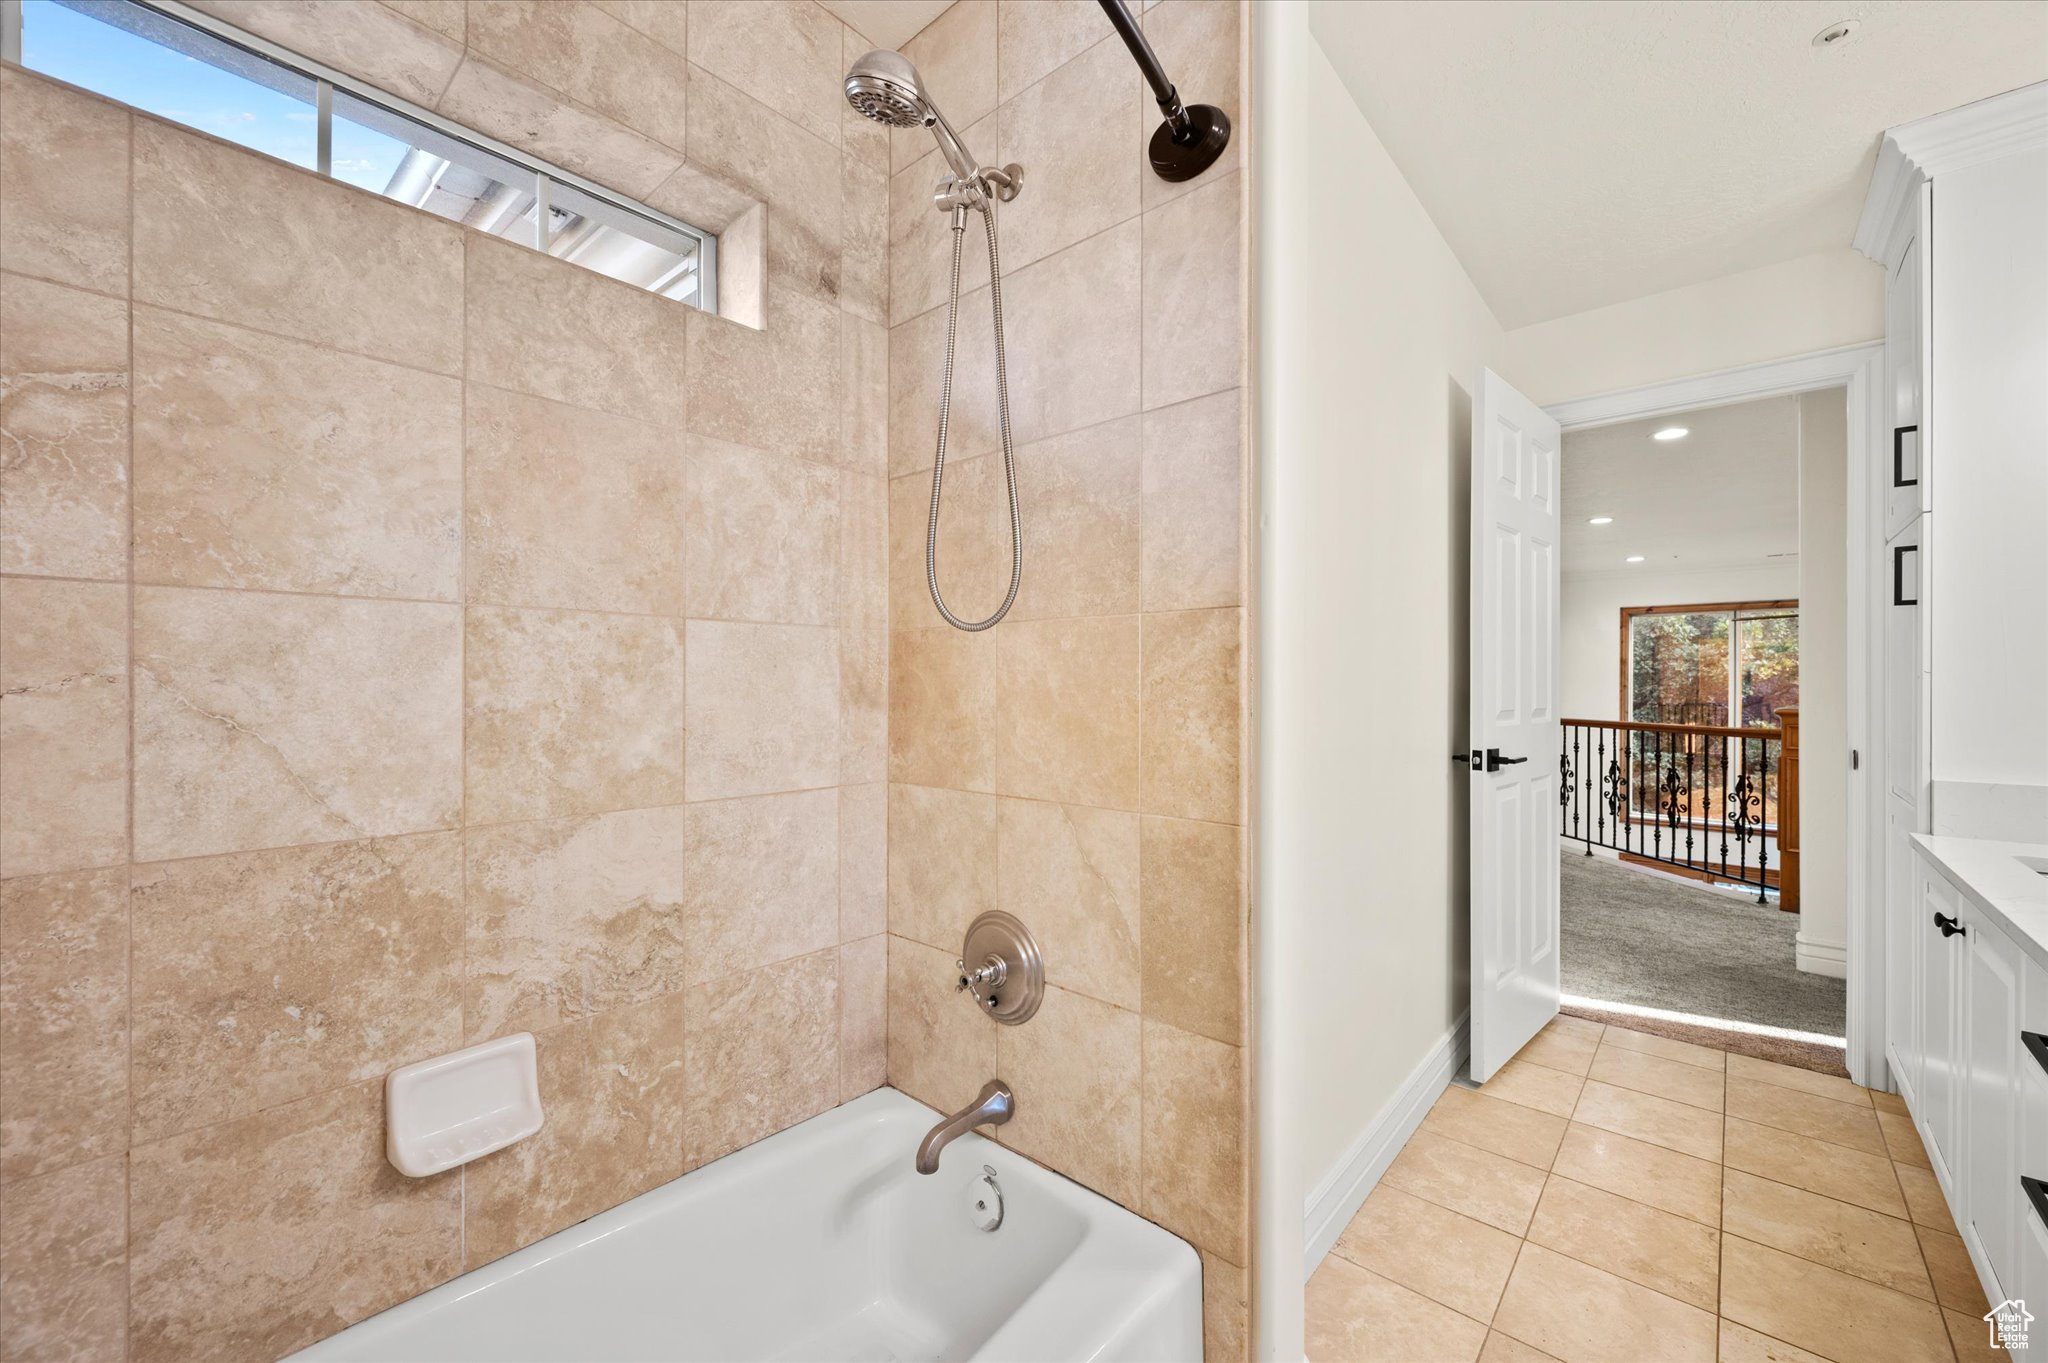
x,y
954,192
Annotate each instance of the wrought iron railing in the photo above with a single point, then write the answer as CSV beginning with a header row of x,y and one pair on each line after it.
x,y
1701,798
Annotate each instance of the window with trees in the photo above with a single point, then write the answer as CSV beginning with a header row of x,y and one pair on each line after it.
x,y
1732,665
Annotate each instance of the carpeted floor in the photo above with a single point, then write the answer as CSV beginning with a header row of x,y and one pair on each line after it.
x,y
1636,938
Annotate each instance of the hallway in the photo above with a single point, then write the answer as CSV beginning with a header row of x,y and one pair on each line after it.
x,y
1612,1197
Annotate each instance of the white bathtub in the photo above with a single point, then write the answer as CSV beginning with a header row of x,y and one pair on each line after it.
x,y
821,1243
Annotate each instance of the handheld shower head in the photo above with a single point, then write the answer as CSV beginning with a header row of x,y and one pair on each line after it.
x,y
885,87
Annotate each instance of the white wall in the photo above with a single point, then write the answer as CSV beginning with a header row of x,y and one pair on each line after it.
x,y
1823,943
1590,621
1370,335
1817,302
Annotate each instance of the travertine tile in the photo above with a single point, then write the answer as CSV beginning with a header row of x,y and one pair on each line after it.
x,y
763,709
1557,1048
1073,331
1082,489
1806,1081
1355,1316
942,709
63,725
762,1053
1901,1140
1193,918
1071,872
863,1016
1193,499
762,881
252,1238
1501,1348
64,211
1193,684
863,704
1831,1170
794,172
1660,1121
1923,1197
1971,1339
571,508
63,430
863,395
864,240
1194,1139
1642,1172
445,17
267,463
1818,1308
1226,1311
1429,1249
786,53
775,390
1203,37
917,358
1564,1024
591,57
1472,1182
1956,1285
1079,1060
863,861
1584,1314
921,245
266,977
942,863
63,1020
863,554
572,713
64,1265
1047,746
515,110
1790,1110
613,1089
539,327
343,268
1673,1079
1520,1133
1037,37
1082,119
1664,1047
974,555
1669,1253
1533,1085
941,1048
1885,1102
1740,1344
1194,332
956,56
1837,1234
763,536
566,918
377,43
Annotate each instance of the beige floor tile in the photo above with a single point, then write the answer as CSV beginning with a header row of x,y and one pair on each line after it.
x,y
1446,1257
1660,1121
1537,1086
1740,1344
1971,1337
1924,1202
1520,1133
1355,1316
1886,1102
1581,1314
1663,1046
1955,1278
1571,1052
1806,1081
1836,1234
1790,1110
1642,1172
1567,1025
1645,1073
1658,1249
1817,1308
1474,1182
1502,1348
1831,1170
1901,1141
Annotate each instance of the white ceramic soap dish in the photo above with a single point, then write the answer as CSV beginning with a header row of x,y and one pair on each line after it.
x,y
462,1106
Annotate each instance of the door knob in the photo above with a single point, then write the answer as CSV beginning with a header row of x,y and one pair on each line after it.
x,y
1949,926
1494,761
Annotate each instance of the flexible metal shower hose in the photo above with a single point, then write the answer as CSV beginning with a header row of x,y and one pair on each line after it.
x,y
931,542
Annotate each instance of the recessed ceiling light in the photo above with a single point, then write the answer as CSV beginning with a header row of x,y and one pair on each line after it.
x,y
1834,34
1672,433
1601,520
1635,558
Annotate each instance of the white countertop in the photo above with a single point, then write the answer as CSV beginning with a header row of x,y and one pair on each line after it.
x,y
2010,894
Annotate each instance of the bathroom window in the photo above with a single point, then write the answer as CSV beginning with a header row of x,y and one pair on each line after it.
x,y
187,67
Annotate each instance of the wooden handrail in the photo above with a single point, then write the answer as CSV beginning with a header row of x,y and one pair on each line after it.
x,y
1788,811
1702,730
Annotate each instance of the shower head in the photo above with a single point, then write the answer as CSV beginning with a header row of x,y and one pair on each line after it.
x,y
884,86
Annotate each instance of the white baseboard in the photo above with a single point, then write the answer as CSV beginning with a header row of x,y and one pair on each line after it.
x,y
1821,958
1339,1194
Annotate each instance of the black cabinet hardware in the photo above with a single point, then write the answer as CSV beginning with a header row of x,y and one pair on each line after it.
x,y
2037,1046
1899,575
2037,1193
1899,478
1949,927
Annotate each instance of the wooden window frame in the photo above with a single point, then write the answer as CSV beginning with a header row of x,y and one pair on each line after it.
x,y
1629,613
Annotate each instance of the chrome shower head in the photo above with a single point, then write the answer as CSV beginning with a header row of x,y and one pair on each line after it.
x,y
885,87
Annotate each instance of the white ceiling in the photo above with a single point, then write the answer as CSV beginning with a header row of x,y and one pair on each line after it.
x,y
1726,496
1578,154
887,23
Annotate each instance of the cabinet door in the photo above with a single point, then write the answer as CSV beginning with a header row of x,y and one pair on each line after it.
x,y
1941,1056
1906,948
2033,1231
1904,328
1992,1100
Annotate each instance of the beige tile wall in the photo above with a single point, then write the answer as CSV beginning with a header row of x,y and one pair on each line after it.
x,y
1081,764
383,617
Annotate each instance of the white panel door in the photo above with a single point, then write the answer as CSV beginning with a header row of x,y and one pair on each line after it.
x,y
1512,751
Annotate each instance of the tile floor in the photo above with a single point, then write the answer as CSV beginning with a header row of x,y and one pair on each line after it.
x,y
1615,1197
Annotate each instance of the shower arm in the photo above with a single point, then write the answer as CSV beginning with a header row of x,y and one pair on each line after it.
x,y
1193,135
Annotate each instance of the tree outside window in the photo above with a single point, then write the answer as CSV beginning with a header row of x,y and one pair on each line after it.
x,y
1731,666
